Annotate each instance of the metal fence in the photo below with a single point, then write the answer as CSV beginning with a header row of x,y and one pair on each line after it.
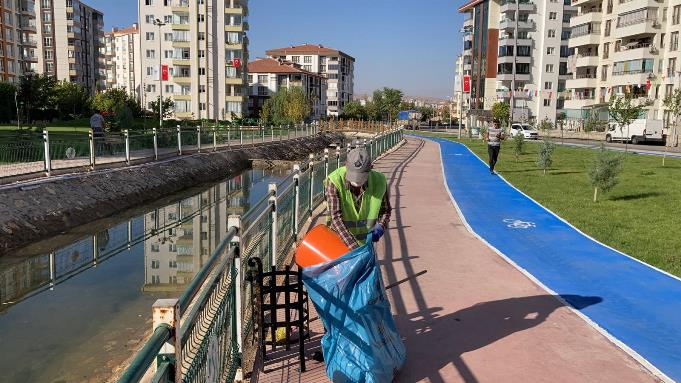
x,y
24,152
204,335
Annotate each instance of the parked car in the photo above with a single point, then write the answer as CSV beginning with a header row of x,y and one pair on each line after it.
x,y
641,130
525,130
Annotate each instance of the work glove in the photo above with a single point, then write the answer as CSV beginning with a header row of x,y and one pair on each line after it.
x,y
377,232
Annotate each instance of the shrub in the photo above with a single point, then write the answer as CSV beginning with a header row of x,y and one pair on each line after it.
x,y
604,171
518,145
545,154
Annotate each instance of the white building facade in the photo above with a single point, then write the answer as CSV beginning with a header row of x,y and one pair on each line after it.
x,y
123,66
18,40
517,51
70,43
205,48
336,66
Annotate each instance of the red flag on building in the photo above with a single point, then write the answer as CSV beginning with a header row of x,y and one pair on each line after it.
x,y
164,72
236,63
466,84
648,84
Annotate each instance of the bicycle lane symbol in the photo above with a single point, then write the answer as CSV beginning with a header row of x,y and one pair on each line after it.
x,y
518,224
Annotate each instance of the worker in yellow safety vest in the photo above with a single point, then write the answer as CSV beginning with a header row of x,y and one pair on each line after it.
x,y
357,200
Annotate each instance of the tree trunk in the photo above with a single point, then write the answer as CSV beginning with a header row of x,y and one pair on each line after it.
x,y
596,194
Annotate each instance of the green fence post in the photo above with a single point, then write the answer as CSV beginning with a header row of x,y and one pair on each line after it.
x,y
46,152
311,167
198,138
272,187
179,141
91,141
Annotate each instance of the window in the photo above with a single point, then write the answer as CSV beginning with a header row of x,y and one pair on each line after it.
x,y
307,68
149,19
550,51
148,2
150,36
202,36
662,40
202,71
606,50
151,53
202,89
547,102
154,263
168,36
262,79
151,88
307,59
674,41
604,72
202,106
172,264
553,15
295,59
201,18
168,54
548,85
606,33
549,68
47,41
233,106
168,19
155,279
676,13
552,33
49,54
671,67
170,88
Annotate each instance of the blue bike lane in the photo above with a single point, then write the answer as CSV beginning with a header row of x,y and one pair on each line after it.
x,y
640,307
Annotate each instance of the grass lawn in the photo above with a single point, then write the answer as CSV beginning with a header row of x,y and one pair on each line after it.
x,y
641,216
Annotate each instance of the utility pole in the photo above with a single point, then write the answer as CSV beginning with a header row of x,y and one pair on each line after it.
x,y
515,62
159,24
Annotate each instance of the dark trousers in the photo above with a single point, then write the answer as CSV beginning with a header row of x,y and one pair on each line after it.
x,y
493,152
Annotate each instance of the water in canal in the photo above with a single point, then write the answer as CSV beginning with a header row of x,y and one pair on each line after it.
x,y
75,307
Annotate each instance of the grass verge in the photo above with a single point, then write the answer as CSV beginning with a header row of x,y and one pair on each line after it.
x,y
641,216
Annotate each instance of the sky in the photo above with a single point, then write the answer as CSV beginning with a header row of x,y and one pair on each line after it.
x,y
409,45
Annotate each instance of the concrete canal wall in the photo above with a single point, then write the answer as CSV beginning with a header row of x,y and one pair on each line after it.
x,y
35,211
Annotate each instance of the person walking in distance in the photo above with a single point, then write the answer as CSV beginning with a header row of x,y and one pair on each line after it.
x,y
357,200
493,137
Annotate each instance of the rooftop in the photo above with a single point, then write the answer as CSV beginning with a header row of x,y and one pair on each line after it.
x,y
270,65
308,48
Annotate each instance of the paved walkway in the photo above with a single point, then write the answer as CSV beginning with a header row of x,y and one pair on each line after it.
x,y
473,317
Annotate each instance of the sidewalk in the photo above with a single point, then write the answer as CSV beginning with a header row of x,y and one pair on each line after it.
x,y
472,317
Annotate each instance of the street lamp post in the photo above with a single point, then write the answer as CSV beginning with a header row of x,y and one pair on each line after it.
x,y
159,24
515,62
464,32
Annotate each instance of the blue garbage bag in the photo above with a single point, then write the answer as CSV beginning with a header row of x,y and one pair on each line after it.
x,y
361,343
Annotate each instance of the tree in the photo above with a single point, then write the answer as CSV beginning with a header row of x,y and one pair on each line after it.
x,y
518,145
624,111
168,106
377,108
545,154
355,110
37,97
673,103
393,99
446,114
72,99
545,125
266,113
426,113
8,110
604,171
298,105
501,111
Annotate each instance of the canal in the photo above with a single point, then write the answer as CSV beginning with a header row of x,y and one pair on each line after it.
x,y
73,308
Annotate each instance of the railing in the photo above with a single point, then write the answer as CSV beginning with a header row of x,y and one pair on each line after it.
x,y
25,152
206,333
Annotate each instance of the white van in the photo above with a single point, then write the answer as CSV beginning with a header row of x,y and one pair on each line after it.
x,y
641,130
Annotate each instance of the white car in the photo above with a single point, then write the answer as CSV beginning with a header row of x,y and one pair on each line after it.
x,y
525,130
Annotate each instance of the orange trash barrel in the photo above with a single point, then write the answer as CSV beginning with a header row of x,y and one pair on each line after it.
x,y
321,244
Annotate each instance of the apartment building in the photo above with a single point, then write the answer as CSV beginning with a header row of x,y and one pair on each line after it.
x,y
517,51
123,67
17,39
204,47
70,42
461,99
267,76
337,66
623,46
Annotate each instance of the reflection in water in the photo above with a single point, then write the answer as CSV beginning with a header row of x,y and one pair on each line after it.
x,y
120,268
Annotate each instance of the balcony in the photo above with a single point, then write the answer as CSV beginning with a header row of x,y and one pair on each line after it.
x,y
586,61
520,94
581,3
29,42
234,28
509,77
468,23
182,78
589,38
581,81
584,18
510,59
630,77
29,26
511,42
635,51
579,103
180,6
626,6
181,43
637,27
523,6
508,24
